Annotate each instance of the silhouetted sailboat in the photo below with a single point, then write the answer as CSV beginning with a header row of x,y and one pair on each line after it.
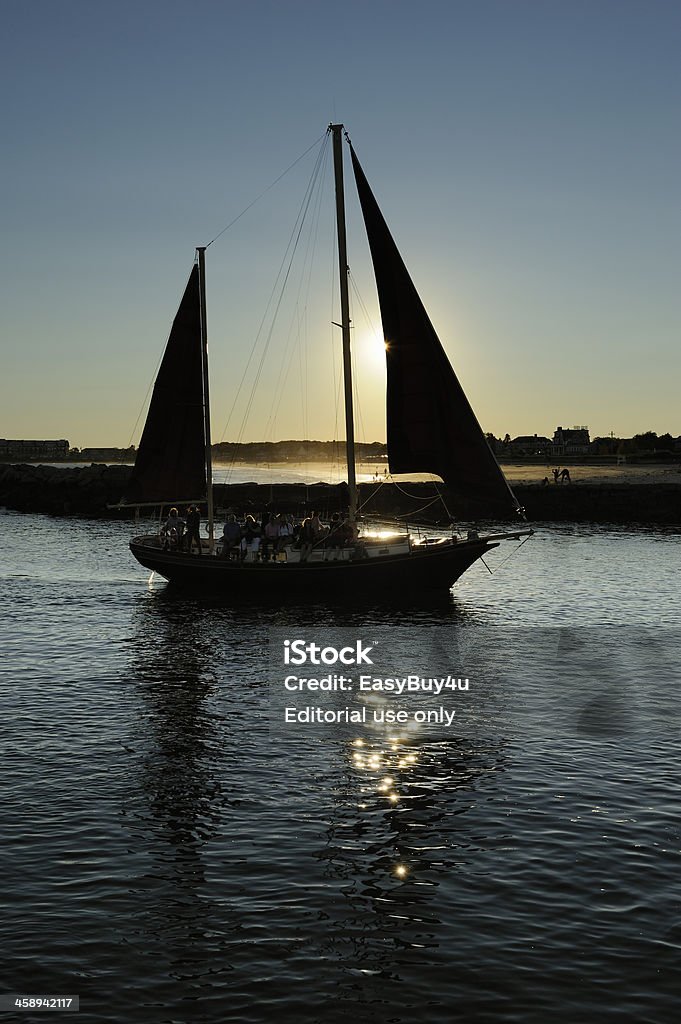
x,y
431,428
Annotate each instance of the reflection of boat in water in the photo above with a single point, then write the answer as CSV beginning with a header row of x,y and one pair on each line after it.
x,y
431,428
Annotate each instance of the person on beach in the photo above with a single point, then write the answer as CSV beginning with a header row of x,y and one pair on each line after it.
x,y
565,476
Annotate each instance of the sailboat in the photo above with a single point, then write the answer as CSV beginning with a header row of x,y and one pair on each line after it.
x,y
431,428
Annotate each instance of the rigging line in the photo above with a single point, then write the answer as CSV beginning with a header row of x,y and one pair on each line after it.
x,y
276,313
415,497
301,351
355,387
293,245
269,302
510,555
356,291
269,187
406,515
338,460
415,512
293,241
304,283
371,496
442,499
334,279
438,497
284,371
323,184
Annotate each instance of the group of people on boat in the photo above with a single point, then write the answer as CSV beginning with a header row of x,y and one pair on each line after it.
x,y
261,539
266,538
179,534
270,537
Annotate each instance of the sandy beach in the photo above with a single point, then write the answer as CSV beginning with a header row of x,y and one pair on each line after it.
x,y
518,473
594,475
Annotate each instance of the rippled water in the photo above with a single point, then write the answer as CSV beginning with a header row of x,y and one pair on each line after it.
x,y
167,856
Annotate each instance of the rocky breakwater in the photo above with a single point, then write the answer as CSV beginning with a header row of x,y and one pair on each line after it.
x,y
91,490
63,490
627,502
655,504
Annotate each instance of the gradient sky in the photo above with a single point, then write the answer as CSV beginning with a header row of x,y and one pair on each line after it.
x,y
526,156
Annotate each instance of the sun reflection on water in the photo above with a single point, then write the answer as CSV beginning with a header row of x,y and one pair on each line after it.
x,y
394,754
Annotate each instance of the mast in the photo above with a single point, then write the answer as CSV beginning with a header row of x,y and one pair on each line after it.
x,y
337,130
201,250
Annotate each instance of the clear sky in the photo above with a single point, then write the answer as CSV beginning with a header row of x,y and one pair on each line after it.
x,y
526,154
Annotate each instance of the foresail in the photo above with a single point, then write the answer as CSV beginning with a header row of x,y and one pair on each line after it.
x,y
170,463
431,426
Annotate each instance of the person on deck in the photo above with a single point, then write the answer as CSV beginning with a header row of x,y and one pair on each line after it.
x,y
271,538
193,528
318,530
350,532
171,531
250,542
285,533
231,537
306,539
336,537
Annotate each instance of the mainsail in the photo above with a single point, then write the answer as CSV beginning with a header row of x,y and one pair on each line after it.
x,y
431,427
170,464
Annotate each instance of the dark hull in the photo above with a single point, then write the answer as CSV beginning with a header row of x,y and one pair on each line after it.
x,y
430,570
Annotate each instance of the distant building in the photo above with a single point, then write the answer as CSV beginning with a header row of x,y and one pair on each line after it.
x,y
573,441
527,445
32,450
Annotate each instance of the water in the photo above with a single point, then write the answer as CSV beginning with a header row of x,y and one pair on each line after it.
x,y
168,857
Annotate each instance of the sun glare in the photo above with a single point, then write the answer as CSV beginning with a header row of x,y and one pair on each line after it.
x,y
372,348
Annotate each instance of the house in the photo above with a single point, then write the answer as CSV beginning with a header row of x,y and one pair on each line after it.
x,y
572,441
32,450
527,445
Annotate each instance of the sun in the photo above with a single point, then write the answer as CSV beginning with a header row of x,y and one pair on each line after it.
x,y
371,347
